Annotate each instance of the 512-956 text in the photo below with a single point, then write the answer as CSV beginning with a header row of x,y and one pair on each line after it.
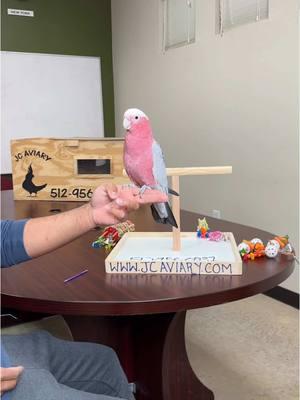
x,y
82,193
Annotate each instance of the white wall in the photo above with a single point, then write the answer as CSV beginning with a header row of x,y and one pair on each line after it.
x,y
230,100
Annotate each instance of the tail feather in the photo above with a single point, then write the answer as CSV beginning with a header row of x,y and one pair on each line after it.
x,y
156,216
170,219
171,191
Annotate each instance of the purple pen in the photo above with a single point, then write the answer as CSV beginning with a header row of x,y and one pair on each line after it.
x,y
75,276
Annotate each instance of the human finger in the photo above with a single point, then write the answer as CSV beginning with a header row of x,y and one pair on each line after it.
x,y
128,192
118,213
9,377
8,385
112,190
134,190
11,373
127,204
152,196
149,195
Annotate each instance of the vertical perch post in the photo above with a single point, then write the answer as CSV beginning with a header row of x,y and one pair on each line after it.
x,y
176,212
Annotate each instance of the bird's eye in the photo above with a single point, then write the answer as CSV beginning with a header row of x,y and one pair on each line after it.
x,y
136,117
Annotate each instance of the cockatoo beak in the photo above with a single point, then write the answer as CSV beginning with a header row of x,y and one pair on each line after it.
x,y
126,124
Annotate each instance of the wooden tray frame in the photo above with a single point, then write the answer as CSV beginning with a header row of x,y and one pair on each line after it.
x,y
184,267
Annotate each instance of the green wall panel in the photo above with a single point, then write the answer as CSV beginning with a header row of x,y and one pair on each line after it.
x,y
72,27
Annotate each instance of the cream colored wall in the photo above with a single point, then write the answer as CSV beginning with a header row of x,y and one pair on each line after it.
x,y
230,100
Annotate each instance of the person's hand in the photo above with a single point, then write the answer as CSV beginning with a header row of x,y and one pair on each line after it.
x,y
111,204
9,378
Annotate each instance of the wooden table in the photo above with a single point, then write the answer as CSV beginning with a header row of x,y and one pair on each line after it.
x,y
141,316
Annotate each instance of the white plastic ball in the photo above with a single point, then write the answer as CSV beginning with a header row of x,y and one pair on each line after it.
x,y
273,242
256,240
271,251
244,247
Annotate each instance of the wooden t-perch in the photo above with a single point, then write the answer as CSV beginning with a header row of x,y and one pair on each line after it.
x,y
175,173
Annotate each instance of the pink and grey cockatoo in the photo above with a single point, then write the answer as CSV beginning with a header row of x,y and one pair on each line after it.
x,y
144,162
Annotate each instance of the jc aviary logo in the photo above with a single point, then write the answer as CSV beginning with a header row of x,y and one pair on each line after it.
x,y
28,185
32,153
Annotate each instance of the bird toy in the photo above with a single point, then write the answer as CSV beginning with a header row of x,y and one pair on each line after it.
x,y
252,249
202,228
112,234
203,231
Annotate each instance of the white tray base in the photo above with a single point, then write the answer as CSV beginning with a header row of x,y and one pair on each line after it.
x,y
151,253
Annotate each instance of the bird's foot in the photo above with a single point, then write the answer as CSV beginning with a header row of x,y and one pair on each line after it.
x,y
143,189
128,186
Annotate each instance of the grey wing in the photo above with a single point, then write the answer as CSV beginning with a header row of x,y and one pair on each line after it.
x,y
160,176
159,168
161,211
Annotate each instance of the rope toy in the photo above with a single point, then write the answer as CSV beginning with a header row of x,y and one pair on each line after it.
x,y
112,234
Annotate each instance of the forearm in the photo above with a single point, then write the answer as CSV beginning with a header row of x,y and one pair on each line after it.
x,y
109,205
45,234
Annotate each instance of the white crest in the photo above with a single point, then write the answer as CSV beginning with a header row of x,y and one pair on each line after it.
x,y
134,112
131,115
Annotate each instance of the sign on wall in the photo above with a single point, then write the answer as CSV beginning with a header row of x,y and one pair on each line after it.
x,y
49,95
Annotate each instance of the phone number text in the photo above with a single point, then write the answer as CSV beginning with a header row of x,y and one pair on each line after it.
x,y
76,192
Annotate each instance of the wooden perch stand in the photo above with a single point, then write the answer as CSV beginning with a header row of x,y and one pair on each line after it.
x,y
176,252
175,173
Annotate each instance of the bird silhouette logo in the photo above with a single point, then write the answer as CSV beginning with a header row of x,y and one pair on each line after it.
x,y
29,186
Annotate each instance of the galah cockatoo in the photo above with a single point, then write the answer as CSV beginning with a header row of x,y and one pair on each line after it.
x,y
144,162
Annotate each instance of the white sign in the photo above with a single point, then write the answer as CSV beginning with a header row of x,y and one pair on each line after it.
x,y
46,95
21,13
